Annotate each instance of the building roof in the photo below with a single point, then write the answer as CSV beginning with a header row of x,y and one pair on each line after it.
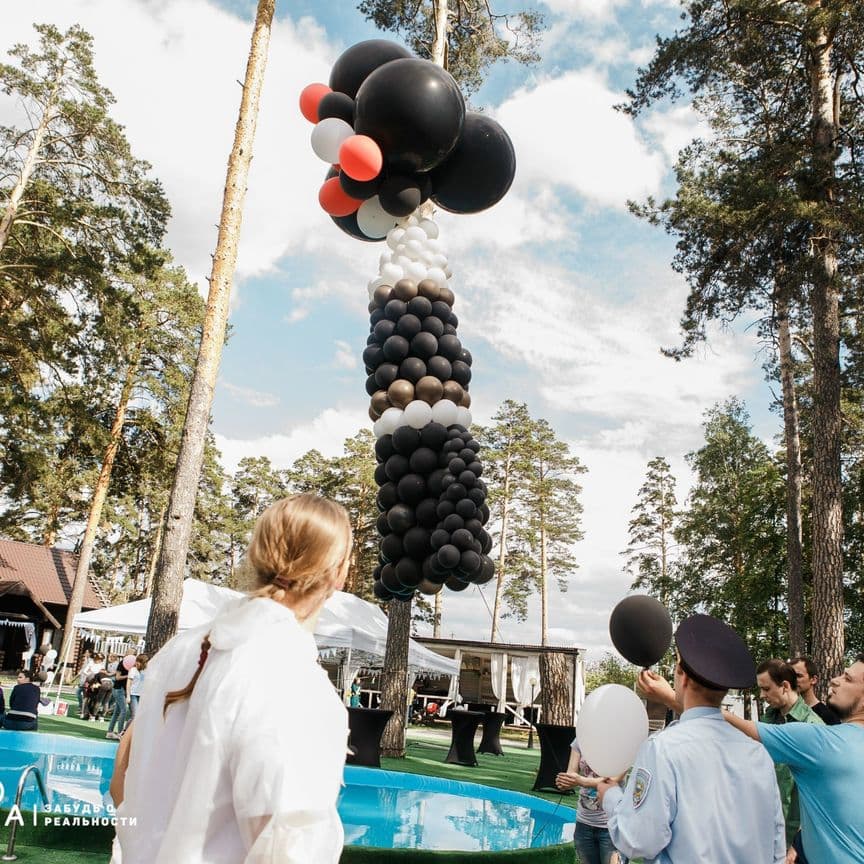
x,y
487,649
47,573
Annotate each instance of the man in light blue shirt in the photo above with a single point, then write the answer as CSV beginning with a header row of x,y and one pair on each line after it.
x,y
827,763
696,793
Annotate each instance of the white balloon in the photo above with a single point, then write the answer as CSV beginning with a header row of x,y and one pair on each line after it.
x,y
448,272
415,232
416,270
402,261
463,418
429,227
612,725
415,248
386,258
372,219
391,273
444,411
327,138
418,414
438,260
434,245
389,421
436,274
376,428
394,237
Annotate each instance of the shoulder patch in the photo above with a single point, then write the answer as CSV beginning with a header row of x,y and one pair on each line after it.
x,y
641,784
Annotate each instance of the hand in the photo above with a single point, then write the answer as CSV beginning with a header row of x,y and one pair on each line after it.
x,y
656,687
564,780
603,786
791,855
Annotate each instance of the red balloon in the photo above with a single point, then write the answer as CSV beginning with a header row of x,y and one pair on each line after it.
x,y
310,97
332,197
360,158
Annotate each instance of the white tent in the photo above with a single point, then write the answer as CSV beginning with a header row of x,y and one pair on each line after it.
x,y
346,622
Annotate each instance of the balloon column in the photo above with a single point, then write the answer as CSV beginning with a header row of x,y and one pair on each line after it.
x,y
395,134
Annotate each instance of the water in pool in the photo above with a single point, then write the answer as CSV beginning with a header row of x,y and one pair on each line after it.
x,y
378,808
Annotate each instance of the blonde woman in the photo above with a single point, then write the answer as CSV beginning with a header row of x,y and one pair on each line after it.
x,y
225,766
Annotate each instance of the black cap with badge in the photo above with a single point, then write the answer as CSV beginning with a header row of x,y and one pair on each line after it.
x,y
713,654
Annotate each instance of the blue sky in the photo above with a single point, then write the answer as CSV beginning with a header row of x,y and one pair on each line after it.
x,y
564,298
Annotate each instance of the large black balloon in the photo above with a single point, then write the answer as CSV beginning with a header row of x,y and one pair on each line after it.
x,y
396,467
423,459
411,489
356,63
426,511
414,110
479,171
433,435
406,440
416,542
641,629
336,105
399,195
408,573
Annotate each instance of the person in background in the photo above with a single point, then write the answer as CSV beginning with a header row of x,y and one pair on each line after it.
x,y
225,767
2,707
89,668
113,663
355,693
136,682
23,713
805,669
118,713
591,837
778,686
49,662
827,763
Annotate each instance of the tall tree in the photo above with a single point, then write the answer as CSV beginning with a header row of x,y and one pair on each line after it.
x,y
552,523
651,530
167,589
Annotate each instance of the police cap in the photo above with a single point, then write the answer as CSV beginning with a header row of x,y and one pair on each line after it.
x,y
713,654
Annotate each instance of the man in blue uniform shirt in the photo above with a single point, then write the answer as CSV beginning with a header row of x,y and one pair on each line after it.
x,y
697,793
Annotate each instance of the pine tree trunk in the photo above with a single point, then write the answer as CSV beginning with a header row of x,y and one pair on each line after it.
x,y
168,584
544,587
502,548
439,41
97,502
792,440
157,548
394,677
556,683
827,602
436,622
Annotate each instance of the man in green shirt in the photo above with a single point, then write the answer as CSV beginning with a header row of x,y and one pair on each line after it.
x,y
778,686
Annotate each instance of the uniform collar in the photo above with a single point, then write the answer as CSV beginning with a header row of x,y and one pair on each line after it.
x,y
701,711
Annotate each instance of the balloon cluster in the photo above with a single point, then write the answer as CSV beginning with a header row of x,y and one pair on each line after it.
x,y
432,498
395,130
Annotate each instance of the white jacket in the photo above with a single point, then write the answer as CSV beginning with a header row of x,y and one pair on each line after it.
x,y
249,768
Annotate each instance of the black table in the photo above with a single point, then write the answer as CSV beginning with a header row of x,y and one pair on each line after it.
x,y
367,727
491,742
555,744
463,726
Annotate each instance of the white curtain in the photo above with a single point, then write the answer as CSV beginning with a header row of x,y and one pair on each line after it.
x,y
579,694
499,678
453,692
522,670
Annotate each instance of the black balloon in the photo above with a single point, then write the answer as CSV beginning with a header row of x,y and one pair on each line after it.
x,y
408,326
449,347
414,110
641,629
380,591
406,440
466,508
445,509
400,517
439,538
399,195
420,306
433,483
388,578
387,496
433,436
424,345
456,492
356,63
396,348
442,312
461,372
426,511
449,556
479,171
384,447
396,467
433,325
423,459
454,583
411,489
470,562
372,385
416,542
462,539
385,375
349,225
487,571
381,474
359,189
453,522
383,525
439,366
395,309
383,330
373,356
336,105
412,369
391,547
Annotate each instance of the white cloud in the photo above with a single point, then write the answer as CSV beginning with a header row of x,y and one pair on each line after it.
x,y
675,128
248,396
345,357
598,10
326,432
567,134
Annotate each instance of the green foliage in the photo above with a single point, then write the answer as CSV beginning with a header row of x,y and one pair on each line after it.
x,y
610,670
477,36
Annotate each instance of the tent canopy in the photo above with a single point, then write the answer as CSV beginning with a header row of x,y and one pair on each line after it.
x,y
345,622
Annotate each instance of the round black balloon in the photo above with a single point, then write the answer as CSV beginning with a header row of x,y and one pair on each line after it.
x,y
406,440
439,538
433,572
456,491
466,454
466,357
486,542
449,347
400,517
387,496
487,571
411,489
474,526
455,465
470,562
376,316
383,330
462,539
423,459
453,321
420,306
453,445
414,110
479,171
449,330
433,435
349,225
385,375
424,346
362,190
372,385
466,508
416,542
454,583
388,578
483,510
441,311
433,325
641,629
383,525
445,509
426,512
391,547
439,366
453,522
461,371
412,369
408,326
399,195
356,63
384,447
373,356
471,444
396,467
395,349
433,482
381,474
449,556
336,104
476,468
395,309
380,592
467,479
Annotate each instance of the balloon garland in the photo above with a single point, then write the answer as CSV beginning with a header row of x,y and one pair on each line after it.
x,y
395,133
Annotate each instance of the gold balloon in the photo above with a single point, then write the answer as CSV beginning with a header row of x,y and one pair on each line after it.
x,y
373,414
447,295
466,400
453,391
429,289
380,402
400,393
429,389
381,295
405,290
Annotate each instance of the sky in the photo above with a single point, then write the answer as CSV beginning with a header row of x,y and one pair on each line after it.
x,y
564,298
